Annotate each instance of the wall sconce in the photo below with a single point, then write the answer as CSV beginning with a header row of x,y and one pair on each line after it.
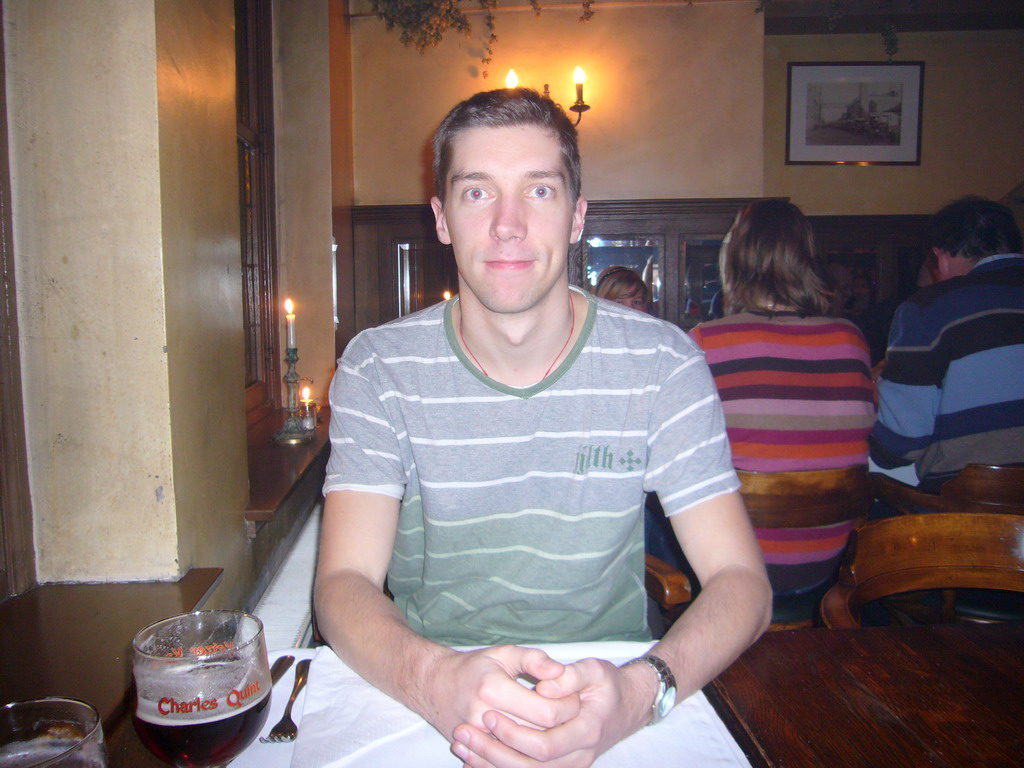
x,y
579,77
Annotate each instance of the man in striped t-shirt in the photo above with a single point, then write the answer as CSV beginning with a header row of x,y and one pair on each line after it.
x,y
490,457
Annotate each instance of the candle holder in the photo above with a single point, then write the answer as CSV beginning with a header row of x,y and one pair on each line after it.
x,y
307,414
293,430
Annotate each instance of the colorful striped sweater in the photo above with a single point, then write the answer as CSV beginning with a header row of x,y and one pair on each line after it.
x,y
797,395
796,391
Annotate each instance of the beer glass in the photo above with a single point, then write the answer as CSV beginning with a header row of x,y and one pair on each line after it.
x,y
51,732
202,686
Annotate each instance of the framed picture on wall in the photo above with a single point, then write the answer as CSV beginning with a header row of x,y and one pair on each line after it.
x,y
854,113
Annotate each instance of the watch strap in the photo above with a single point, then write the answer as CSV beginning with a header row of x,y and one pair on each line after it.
x,y
665,698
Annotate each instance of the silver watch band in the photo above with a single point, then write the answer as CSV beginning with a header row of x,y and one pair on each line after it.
x,y
665,698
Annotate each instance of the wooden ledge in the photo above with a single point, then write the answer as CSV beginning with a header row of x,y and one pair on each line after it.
x,y
282,475
75,639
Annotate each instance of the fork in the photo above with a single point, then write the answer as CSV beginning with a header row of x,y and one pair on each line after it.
x,y
286,730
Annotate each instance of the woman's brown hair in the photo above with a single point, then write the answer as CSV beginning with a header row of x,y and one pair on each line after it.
x,y
769,261
617,281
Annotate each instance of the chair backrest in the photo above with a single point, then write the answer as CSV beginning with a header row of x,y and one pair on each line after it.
x,y
927,551
988,488
976,488
806,499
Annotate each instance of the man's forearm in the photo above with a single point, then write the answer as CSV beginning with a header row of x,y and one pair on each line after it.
x,y
729,614
371,636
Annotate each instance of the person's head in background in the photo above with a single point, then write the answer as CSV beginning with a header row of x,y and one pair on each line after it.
x,y
769,263
968,230
624,286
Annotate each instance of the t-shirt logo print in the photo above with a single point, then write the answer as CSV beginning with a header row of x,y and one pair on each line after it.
x,y
601,457
629,460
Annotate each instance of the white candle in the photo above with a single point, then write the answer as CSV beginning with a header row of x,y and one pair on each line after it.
x,y
579,77
289,321
308,410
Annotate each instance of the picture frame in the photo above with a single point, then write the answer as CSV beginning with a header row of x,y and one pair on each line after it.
x,y
854,113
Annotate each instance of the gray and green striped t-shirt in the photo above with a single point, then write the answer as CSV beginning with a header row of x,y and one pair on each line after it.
x,y
522,509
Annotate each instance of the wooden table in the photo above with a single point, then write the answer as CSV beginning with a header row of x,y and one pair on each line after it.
x,y
945,697
76,639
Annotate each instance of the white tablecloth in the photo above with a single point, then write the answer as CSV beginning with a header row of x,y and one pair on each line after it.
x,y
347,722
905,474
277,755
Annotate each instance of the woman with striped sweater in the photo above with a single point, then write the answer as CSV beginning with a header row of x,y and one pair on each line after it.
x,y
795,381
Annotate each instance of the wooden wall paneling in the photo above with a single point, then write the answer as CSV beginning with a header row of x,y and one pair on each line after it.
x,y
17,552
345,278
897,241
378,230
675,221
365,292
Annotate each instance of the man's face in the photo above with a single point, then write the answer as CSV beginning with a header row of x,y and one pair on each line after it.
x,y
509,217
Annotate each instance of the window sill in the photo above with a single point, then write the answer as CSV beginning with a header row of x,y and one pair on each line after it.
x,y
284,480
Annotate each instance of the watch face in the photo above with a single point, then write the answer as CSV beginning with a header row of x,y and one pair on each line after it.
x,y
666,703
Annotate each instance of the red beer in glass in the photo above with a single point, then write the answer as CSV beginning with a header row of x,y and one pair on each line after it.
x,y
202,686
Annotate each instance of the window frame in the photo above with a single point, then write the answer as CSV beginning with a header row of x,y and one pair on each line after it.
x,y
257,206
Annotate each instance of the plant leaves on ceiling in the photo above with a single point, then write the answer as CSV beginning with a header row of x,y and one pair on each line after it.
x,y
423,23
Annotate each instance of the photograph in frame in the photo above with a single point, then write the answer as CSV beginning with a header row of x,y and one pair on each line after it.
x,y
854,112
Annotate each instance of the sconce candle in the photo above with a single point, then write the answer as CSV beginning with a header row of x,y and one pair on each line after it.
x,y
289,321
580,106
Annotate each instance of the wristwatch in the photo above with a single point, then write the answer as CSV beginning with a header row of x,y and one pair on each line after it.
x,y
666,696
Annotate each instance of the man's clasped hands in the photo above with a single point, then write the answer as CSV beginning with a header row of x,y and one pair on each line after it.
x,y
481,702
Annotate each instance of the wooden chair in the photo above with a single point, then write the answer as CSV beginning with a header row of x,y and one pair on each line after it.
x,y
804,499
977,488
921,552
780,500
668,587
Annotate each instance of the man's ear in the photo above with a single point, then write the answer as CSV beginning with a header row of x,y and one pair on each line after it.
x,y
440,221
949,265
579,215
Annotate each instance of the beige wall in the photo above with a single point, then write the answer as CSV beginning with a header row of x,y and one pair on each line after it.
x,y
202,287
689,101
87,230
303,111
124,172
675,91
972,126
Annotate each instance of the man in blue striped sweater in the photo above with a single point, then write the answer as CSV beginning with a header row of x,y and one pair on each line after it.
x,y
952,391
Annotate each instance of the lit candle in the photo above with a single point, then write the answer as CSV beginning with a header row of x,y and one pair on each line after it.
x,y
511,79
579,77
308,410
289,322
